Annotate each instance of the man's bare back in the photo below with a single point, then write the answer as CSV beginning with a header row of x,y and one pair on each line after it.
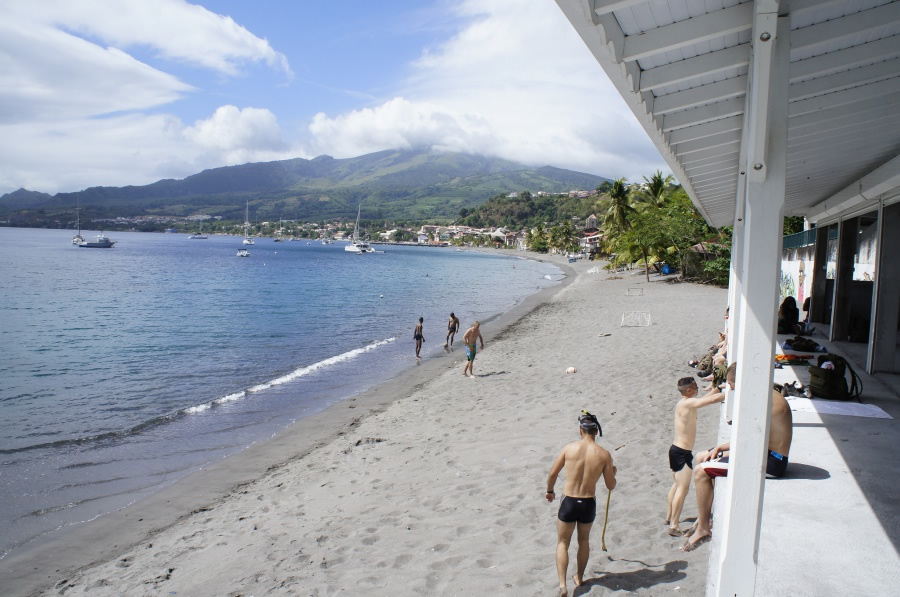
x,y
585,461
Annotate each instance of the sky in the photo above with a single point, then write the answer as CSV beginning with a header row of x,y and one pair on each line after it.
x,y
128,92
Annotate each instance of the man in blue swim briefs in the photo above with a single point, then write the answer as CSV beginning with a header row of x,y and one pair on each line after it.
x,y
584,461
714,464
470,339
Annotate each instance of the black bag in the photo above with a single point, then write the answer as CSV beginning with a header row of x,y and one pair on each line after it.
x,y
801,344
832,383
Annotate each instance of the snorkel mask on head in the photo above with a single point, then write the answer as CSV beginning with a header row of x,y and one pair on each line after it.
x,y
589,422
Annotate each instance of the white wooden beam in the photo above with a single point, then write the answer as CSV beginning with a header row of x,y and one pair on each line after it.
x,y
739,524
698,66
713,168
720,140
834,31
832,62
716,185
724,125
872,108
698,96
728,175
847,96
847,79
703,114
868,187
709,26
701,157
602,7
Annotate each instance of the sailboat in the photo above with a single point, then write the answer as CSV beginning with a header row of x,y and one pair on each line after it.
x,y
247,240
78,239
357,246
279,238
199,235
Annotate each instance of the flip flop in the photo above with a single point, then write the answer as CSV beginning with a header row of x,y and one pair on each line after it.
x,y
688,546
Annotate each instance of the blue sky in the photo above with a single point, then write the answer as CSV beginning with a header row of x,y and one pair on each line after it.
x,y
94,92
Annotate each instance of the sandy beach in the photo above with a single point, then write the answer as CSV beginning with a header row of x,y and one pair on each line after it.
x,y
433,483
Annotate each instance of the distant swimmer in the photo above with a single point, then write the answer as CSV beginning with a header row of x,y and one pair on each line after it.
x,y
470,339
418,336
452,328
584,460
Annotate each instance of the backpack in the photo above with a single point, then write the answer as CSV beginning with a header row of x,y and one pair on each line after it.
x,y
832,383
801,344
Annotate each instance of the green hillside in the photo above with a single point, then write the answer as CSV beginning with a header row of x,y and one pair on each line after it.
x,y
406,185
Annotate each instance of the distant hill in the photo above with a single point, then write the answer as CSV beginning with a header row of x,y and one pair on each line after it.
x,y
393,185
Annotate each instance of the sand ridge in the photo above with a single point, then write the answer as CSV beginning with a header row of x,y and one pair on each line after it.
x,y
441,492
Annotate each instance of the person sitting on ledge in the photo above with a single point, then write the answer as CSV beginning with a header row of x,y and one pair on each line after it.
x,y
714,464
788,316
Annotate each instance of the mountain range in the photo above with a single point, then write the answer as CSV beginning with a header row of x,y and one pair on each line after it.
x,y
411,185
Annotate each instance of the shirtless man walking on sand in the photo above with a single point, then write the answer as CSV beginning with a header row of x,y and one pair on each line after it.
x,y
452,328
681,460
470,339
584,460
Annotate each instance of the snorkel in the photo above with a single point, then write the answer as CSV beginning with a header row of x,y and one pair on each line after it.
x,y
589,423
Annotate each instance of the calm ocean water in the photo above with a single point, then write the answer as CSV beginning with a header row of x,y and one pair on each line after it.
x,y
127,368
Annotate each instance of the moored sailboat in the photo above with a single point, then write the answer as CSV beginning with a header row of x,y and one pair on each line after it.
x,y
357,246
247,240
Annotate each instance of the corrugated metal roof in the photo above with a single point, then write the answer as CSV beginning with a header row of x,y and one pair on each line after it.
x,y
682,66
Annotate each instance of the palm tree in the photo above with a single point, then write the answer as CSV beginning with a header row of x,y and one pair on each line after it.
x,y
616,218
657,188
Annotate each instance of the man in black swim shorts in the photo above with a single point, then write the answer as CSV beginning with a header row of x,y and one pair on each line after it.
x,y
452,328
681,461
584,461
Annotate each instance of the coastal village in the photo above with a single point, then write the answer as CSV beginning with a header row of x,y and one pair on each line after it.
x,y
434,235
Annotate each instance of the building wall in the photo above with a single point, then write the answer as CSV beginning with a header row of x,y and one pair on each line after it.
x,y
796,273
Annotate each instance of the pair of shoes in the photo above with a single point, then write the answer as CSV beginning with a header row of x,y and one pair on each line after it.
x,y
693,364
704,373
688,546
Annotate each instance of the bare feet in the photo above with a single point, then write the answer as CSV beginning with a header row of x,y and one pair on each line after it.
x,y
578,581
694,542
675,532
563,592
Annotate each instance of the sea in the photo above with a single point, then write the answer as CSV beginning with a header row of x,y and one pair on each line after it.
x,y
128,368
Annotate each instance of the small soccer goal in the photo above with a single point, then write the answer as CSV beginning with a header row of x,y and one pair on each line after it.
x,y
635,319
635,291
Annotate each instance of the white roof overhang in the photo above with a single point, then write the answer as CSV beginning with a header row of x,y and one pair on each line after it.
x,y
683,67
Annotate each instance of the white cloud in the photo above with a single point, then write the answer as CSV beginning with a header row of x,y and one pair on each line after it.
x,y
74,103
175,29
133,149
233,136
516,82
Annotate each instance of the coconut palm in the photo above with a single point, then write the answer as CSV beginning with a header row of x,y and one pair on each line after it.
x,y
658,188
616,219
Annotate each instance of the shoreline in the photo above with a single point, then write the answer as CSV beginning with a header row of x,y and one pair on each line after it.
x,y
98,540
434,484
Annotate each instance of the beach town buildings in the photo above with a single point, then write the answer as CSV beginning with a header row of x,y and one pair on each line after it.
x,y
761,109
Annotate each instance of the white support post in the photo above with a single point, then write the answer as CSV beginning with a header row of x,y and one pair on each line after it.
x,y
739,524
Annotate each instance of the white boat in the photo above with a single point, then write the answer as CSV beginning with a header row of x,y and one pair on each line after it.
x,y
102,242
279,238
243,253
78,239
357,246
199,235
247,240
